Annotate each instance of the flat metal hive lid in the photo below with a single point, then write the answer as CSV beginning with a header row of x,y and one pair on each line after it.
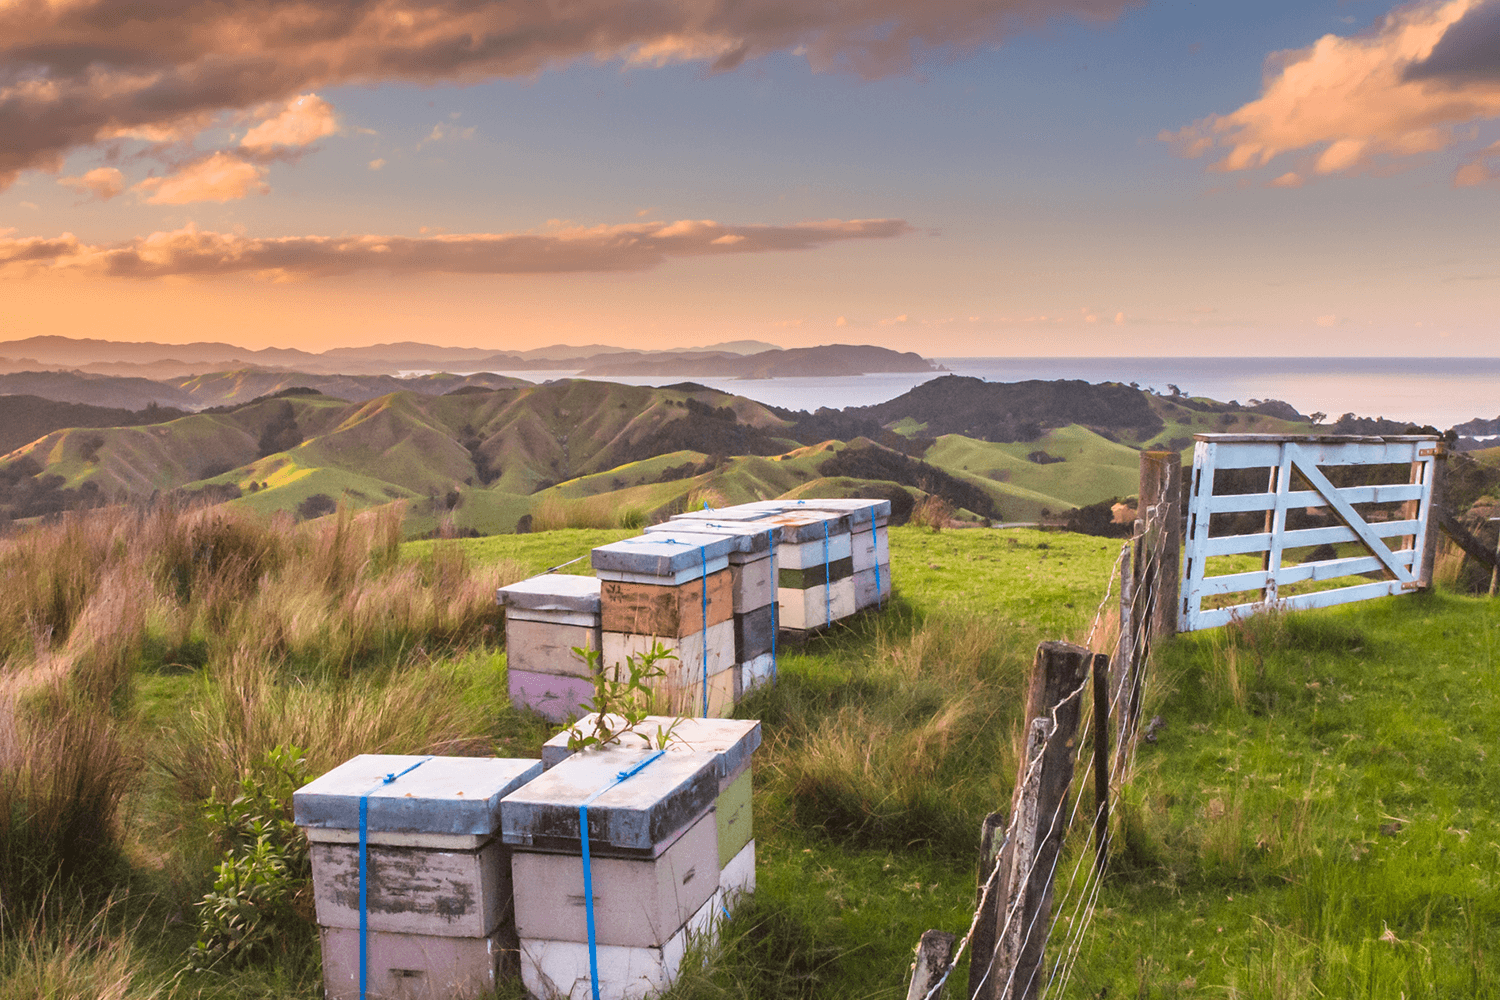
x,y
731,740
663,553
749,537
640,814
452,795
859,510
552,592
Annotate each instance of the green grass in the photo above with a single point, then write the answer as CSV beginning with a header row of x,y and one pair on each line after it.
x,y
1319,815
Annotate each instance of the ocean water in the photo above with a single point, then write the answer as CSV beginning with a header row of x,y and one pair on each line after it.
x,y
1437,391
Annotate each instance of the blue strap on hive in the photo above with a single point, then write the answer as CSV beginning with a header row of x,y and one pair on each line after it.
x,y
588,875
875,544
364,851
827,578
703,554
775,598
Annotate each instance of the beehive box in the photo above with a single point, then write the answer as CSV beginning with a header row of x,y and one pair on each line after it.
x,y
732,742
546,618
561,968
437,884
661,610
751,561
655,869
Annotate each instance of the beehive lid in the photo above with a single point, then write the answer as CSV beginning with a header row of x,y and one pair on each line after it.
x,y
749,537
639,815
807,525
742,512
731,740
663,553
860,511
553,592
450,795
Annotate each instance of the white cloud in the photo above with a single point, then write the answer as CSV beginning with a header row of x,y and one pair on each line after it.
x,y
376,164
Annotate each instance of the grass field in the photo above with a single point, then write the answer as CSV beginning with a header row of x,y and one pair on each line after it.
x,y
1317,817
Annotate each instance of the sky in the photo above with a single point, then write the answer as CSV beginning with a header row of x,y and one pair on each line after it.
x,y
953,177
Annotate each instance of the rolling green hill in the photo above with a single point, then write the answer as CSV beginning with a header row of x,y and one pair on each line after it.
x,y
573,453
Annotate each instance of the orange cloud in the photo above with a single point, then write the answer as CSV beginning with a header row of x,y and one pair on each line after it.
x,y
190,252
1350,102
219,177
304,120
84,71
101,182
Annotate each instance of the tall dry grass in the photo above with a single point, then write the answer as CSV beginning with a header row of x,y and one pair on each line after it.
x,y
97,591
76,957
246,710
914,746
65,770
554,513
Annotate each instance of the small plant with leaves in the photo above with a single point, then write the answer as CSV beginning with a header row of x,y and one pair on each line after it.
x,y
259,900
622,699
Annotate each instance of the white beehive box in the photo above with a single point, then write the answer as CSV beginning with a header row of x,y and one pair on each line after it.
x,y
438,894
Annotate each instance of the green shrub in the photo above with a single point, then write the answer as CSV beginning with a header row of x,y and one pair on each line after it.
x,y
260,905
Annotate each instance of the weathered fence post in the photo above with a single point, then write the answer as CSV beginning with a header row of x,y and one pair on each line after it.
x,y
934,952
1038,823
982,944
1161,489
1101,761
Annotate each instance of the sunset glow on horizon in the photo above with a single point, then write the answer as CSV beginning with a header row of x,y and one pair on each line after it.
x,y
952,177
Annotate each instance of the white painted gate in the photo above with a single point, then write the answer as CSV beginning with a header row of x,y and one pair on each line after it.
x,y
1280,455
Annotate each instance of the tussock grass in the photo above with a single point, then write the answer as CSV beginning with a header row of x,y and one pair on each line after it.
x,y
78,956
246,710
65,771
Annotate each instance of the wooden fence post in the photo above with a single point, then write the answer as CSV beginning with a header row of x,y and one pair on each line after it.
x,y
1101,761
934,952
1161,489
982,944
1053,708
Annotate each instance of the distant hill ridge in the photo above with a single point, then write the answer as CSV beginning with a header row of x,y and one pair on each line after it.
x,y
159,360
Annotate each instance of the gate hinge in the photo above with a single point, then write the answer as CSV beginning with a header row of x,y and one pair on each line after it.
x,y
1438,452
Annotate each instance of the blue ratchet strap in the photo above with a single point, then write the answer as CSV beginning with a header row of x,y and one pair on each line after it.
x,y
775,597
703,554
364,851
827,579
588,875
875,543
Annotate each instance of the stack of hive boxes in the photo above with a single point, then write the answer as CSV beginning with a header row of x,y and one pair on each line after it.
x,y
653,864
433,887
814,568
752,577
672,589
546,617
732,741
870,542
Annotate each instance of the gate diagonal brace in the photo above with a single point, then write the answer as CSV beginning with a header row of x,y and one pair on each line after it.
x,y
1348,514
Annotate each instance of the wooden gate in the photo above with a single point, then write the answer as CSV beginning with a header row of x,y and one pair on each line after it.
x,y
1387,568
